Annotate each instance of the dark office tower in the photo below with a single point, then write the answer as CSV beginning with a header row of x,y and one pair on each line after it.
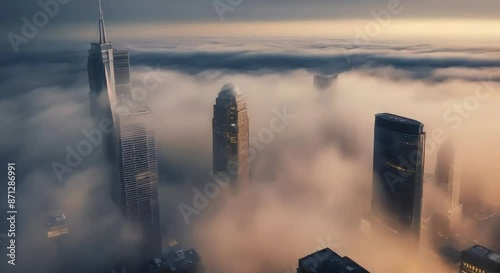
x,y
398,163
231,136
327,261
448,176
130,147
478,259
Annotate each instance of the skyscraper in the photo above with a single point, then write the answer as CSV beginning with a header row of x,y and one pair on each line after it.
x,y
231,136
130,148
139,177
109,76
448,176
398,163
101,73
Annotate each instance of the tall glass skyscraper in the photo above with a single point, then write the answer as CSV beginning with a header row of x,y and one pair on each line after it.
x,y
101,72
231,136
130,148
138,176
398,163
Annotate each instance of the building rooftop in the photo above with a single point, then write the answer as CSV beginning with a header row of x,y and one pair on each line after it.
x,y
398,123
177,261
326,76
183,260
327,261
483,252
229,91
399,119
56,225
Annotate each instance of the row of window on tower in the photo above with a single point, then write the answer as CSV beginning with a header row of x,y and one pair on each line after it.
x,y
472,268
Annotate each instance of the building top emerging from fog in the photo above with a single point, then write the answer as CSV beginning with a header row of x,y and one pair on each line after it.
x,y
231,139
56,225
324,81
327,261
479,259
480,251
130,149
178,261
398,123
398,164
230,91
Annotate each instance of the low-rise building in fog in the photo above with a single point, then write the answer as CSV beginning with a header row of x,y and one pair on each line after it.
x,y
177,261
479,259
56,225
57,230
327,261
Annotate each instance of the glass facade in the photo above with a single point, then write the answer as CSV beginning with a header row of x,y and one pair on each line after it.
x,y
231,136
122,74
398,162
139,178
130,148
101,80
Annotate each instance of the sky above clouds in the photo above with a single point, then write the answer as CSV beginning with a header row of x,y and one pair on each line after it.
x,y
335,18
420,62
251,10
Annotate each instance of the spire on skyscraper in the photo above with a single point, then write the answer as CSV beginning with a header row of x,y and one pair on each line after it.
x,y
102,29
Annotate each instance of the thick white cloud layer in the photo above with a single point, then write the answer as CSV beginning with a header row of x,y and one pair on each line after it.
x,y
310,183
